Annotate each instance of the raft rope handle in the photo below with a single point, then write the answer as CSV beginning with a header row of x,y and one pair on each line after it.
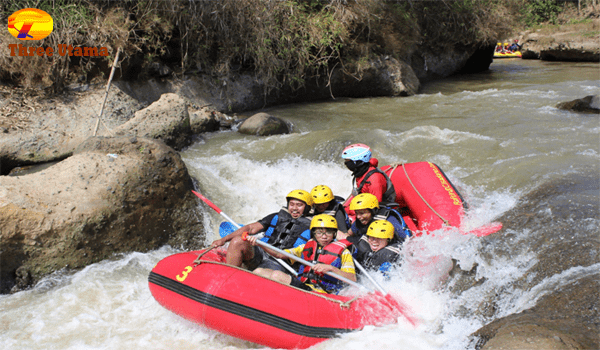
x,y
343,304
198,261
446,222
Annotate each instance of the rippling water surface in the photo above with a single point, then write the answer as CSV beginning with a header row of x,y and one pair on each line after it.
x,y
497,135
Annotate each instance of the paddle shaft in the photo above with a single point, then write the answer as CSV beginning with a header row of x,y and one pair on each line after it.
x,y
212,205
304,262
364,271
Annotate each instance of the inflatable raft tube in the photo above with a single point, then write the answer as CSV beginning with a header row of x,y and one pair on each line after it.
x,y
244,305
428,200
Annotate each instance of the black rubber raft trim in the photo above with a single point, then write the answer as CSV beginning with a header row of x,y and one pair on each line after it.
x,y
244,311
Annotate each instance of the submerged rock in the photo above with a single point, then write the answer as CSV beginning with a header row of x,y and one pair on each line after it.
x,y
588,104
113,195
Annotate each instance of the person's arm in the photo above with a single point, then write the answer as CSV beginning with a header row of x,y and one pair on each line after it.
x,y
376,185
340,217
252,229
347,269
323,268
342,235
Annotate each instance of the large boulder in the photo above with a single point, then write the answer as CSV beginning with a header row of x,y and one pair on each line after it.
x,y
41,129
383,76
263,124
112,195
166,119
206,119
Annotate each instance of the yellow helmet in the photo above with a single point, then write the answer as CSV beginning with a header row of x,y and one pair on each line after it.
x,y
364,201
381,229
323,220
321,194
300,195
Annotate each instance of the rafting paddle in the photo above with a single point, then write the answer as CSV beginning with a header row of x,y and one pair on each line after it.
x,y
304,262
392,303
237,226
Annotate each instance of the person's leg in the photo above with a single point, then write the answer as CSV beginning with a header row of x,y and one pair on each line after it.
x,y
281,277
267,273
239,251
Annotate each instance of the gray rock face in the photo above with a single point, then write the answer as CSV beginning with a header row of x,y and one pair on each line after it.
x,y
166,119
263,124
566,314
113,195
560,47
53,128
207,119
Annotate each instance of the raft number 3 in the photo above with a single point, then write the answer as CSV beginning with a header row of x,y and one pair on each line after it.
x,y
184,274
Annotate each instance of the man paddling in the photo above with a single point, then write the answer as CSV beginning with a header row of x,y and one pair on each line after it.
x,y
285,229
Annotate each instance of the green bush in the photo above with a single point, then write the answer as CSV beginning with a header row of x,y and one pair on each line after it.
x,y
540,11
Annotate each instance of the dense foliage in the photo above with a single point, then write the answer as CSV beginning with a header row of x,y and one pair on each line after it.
x,y
282,42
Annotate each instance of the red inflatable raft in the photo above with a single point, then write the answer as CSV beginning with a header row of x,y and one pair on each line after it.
x,y
431,200
246,306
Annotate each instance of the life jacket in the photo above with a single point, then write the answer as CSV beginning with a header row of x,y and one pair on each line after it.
x,y
285,232
380,260
400,233
338,206
331,254
388,197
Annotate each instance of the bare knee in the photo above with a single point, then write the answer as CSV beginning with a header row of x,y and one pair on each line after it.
x,y
281,277
239,251
263,272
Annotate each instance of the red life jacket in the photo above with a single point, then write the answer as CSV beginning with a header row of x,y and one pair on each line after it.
x,y
376,182
330,255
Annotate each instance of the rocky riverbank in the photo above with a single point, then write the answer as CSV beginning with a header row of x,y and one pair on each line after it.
x,y
572,43
565,317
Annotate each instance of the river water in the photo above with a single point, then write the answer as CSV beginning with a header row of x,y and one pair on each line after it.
x,y
498,137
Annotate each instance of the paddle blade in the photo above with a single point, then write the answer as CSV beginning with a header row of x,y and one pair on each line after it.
x,y
486,229
226,228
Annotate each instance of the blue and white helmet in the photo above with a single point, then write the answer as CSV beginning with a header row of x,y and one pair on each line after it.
x,y
357,152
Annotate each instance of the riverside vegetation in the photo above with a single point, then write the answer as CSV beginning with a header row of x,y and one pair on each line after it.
x,y
283,43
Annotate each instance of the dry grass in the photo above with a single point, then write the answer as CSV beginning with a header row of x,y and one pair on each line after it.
x,y
76,23
284,43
